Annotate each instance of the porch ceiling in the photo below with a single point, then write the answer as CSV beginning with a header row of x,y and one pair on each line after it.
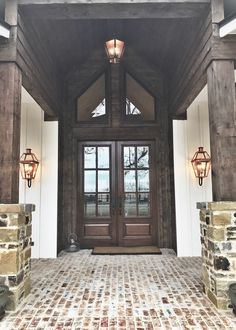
x,y
160,42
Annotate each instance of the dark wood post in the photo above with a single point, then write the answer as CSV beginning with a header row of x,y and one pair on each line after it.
x,y
10,97
10,105
222,111
115,94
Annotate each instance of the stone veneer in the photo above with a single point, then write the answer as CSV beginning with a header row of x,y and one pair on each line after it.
x,y
218,239
15,250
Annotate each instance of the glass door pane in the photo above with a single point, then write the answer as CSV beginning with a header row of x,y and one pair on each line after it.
x,y
97,181
136,181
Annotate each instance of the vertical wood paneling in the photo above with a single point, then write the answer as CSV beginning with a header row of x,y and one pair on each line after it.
x,y
31,137
188,136
48,196
42,138
70,133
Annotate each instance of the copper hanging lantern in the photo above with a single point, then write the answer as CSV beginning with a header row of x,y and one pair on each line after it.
x,y
28,166
201,163
115,50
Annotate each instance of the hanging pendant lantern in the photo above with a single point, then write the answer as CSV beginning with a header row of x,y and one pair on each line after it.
x,y
115,50
201,163
28,166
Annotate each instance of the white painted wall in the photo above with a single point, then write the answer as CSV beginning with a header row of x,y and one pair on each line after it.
x,y
188,135
42,138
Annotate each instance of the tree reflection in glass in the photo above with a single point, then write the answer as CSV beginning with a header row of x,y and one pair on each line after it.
x,y
89,157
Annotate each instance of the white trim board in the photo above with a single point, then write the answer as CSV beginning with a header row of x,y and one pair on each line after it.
x,y
4,32
228,28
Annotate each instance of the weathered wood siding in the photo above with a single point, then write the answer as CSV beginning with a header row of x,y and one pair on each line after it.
x,y
40,76
71,133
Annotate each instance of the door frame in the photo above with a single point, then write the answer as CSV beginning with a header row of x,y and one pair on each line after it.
x,y
122,222
114,221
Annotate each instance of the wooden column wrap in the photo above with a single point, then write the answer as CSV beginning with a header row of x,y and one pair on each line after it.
x,y
10,105
222,111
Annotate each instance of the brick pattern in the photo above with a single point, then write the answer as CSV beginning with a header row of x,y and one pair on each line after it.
x,y
218,238
80,291
15,250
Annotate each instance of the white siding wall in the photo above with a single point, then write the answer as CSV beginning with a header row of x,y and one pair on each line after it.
x,y
188,135
42,138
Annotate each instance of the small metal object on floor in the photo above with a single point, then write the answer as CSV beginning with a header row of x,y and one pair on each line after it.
x,y
73,245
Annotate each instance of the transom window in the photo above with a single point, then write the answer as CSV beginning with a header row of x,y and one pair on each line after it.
x,y
91,105
140,104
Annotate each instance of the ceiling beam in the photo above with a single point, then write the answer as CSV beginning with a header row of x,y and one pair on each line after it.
x,y
190,76
40,76
20,2
47,9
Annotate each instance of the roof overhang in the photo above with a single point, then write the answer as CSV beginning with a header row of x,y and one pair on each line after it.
x,y
4,30
228,26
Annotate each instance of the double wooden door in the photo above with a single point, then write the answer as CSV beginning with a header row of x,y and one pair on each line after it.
x,y
116,193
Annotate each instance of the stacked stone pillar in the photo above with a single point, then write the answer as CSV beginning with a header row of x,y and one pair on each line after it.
x,y
218,238
15,250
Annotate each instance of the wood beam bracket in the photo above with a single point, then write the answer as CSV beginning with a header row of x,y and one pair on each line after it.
x,y
223,49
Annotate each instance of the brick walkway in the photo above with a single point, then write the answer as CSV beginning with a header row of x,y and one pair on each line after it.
x,y
82,291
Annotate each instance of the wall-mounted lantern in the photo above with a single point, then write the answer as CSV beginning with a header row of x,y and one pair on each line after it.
x,y
115,50
201,163
28,166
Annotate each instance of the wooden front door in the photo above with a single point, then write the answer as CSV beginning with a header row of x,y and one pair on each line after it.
x,y
116,192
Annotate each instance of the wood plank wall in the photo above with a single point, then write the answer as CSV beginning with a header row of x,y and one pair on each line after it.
x,y
70,133
40,76
190,76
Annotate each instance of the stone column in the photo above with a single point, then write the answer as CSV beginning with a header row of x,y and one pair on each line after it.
x,y
15,250
218,238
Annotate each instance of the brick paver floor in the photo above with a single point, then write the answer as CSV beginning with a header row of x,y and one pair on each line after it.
x,y
135,292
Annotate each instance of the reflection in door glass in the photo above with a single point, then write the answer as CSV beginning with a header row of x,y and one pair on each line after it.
x,y
89,157
143,156
129,157
144,205
89,205
103,181
89,181
97,174
143,180
130,205
129,181
103,205
103,157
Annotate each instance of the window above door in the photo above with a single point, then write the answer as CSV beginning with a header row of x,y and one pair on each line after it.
x,y
139,103
111,98
91,104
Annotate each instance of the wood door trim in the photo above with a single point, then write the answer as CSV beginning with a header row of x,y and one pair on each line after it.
x,y
153,191
114,224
